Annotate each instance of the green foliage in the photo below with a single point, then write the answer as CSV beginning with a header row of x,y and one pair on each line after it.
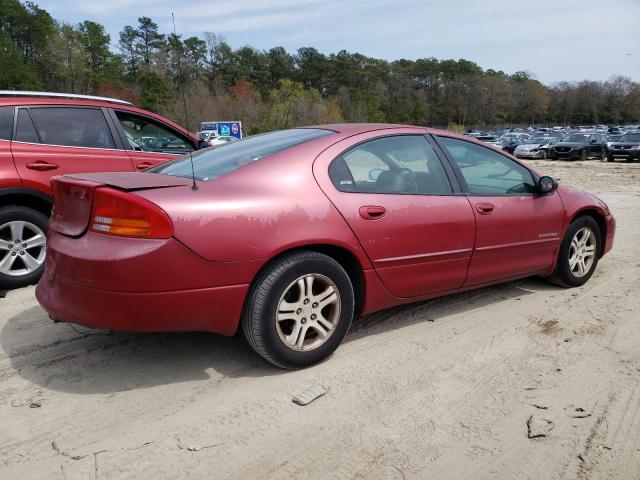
x,y
271,89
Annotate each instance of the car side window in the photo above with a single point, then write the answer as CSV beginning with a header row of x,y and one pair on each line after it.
x,y
6,123
146,135
401,164
25,130
486,171
72,127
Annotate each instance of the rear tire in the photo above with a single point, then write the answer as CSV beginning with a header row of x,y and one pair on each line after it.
x,y
283,318
568,271
21,263
585,155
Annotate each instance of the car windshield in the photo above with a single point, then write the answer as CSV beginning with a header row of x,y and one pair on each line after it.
x,y
630,137
576,137
213,163
203,135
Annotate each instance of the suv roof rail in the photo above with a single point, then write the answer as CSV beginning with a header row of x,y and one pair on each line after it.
x,y
18,93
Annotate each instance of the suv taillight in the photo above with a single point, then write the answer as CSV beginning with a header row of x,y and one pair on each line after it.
x,y
125,215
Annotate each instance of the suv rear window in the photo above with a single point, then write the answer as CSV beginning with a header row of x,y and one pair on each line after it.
x,y
72,127
6,123
214,162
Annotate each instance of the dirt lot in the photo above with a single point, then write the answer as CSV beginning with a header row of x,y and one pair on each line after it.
x,y
441,389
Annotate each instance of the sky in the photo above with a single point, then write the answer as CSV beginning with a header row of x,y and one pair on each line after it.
x,y
556,40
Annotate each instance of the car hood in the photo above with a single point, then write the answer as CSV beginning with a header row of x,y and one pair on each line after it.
x,y
530,146
570,144
623,144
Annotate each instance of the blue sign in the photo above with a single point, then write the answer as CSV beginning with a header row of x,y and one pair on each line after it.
x,y
231,129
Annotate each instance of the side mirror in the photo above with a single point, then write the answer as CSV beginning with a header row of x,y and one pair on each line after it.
x,y
374,174
547,185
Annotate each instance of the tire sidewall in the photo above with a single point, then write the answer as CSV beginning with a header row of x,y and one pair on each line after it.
x,y
562,268
264,314
10,214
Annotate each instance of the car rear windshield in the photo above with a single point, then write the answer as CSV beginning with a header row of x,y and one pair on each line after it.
x,y
213,163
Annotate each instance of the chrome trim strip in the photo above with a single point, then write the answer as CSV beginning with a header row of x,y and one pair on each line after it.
x,y
519,244
423,256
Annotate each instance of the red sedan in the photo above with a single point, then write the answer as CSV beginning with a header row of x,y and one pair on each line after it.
x,y
289,234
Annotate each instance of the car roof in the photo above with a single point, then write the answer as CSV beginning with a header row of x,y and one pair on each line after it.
x,y
46,101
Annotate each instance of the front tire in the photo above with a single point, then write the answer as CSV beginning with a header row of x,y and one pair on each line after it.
x,y
23,244
578,256
298,309
585,155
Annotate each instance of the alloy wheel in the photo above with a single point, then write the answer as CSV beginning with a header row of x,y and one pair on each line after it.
x,y
22,248
582,252
308,312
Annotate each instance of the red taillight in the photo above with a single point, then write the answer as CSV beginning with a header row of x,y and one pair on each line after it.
x,y
125,215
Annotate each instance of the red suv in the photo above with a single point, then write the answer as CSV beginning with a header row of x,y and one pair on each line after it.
x,y
47,134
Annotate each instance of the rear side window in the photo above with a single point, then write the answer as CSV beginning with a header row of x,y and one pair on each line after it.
x,y
72,127
146,135
6,123
25,130
488,172
402,164
211,163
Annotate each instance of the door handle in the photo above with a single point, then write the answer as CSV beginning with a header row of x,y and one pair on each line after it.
x,y
42,166
485,208
372,212
144,165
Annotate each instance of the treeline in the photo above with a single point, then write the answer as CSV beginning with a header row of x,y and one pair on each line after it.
x,y
273,89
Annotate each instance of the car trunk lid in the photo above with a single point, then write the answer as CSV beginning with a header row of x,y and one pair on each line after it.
x,y
73,195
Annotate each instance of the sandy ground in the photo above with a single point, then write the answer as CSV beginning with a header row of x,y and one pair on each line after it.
x,y
441,389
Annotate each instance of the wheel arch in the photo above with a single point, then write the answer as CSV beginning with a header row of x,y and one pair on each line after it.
x,y
599,218
340,254
26,197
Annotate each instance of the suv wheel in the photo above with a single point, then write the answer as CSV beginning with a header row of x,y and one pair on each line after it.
x,y
578,254
585,155
299,309
23,242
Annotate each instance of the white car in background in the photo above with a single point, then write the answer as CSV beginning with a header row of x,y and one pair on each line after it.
x,y
222,140
536,147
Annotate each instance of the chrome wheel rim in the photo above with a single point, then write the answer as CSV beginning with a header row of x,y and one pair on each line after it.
x,y
308,312
22,248
582,252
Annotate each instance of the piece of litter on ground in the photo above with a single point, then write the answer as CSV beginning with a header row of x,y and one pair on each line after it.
x,y
309,395
581,413
581,457
35,404
541,407
538,427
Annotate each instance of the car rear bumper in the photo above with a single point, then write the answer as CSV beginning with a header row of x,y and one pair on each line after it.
x,y
141,285
211,309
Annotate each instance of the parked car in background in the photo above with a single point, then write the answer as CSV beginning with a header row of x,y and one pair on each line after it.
x,y
536,147
508,143
46,134
208,136
291,234
626,148
579,146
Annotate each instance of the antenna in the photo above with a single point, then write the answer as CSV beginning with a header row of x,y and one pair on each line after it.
x,y
184,104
